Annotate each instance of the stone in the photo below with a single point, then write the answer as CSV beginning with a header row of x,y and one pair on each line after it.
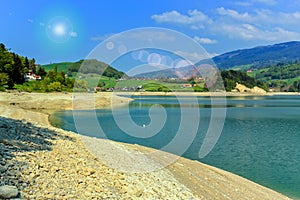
x,y
8,191
3,168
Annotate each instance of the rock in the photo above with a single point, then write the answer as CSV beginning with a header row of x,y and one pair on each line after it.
x,y
8,191
3,168
242,88
258,90
255,90
138,193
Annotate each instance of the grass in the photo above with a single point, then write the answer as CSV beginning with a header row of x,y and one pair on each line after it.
x,y
63,66
93,80
133,83
291,81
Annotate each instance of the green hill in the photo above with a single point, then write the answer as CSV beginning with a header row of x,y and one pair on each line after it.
x,y
95,67
63,66
259,57
280,77
231,77
86,67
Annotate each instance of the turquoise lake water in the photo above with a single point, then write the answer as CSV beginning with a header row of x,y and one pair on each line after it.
x,y
260,139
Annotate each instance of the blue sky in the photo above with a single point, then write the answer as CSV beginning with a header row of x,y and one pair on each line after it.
x,y
54,31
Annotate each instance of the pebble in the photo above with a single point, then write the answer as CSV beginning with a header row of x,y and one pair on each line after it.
x,y
8,192
43,162
2,168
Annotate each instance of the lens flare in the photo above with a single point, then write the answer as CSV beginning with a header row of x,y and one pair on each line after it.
x,y
60,29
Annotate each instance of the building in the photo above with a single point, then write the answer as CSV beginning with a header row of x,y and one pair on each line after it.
x,y
30,76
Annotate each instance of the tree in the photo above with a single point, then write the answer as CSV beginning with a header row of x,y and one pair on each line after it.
x,y
55,69
18,70
3,79
2,47
55,86
80,85
192,81
41,71
26,63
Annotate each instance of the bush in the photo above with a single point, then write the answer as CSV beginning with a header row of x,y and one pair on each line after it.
x,y
55,86
3,79
2,89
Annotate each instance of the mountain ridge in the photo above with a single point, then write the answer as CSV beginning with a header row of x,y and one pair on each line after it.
x,y
256,57
260,56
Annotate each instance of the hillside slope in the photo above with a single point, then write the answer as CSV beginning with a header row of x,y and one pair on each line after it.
x,y
260,56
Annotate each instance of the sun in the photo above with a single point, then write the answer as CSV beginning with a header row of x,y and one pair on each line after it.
x,y
59,29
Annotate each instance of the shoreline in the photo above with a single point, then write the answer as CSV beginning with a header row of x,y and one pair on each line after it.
x,y
222,94
184,174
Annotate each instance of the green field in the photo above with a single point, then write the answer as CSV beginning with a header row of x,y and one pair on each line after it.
x,y
63,66
104,82
133,83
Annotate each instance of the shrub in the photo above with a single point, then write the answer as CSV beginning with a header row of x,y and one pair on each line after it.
x,y
55,86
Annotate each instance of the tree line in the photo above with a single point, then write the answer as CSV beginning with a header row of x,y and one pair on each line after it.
x,y
94,66
282,77
13,67
231,77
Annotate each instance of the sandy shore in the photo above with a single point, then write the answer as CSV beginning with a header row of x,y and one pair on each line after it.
x,y
60,166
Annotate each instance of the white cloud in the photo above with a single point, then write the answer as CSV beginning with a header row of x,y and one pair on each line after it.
x,y
205,40
288,18
30,20
261,17
42,24
73,34
259,24
264,25
250,32
196,19
234,14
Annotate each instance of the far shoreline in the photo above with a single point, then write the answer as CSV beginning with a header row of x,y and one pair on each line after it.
x,y
222,94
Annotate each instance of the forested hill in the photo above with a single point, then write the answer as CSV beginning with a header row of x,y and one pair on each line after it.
x,y
261,56
232,77
13,67
280,77
85,67
95,66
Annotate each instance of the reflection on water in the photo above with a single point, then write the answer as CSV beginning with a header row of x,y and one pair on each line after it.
x,y
260,139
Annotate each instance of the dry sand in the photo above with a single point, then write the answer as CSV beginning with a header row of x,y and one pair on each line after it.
x,y
89,177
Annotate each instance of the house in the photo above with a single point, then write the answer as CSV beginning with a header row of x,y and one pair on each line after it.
x,y
30,76
187,85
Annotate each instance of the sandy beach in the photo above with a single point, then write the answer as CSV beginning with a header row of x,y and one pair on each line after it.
x,y
44,162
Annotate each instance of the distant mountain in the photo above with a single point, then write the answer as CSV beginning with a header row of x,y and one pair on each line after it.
x,y
260,56
257,57
181,72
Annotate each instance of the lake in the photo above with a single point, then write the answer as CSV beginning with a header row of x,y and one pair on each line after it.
x,y
260,139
